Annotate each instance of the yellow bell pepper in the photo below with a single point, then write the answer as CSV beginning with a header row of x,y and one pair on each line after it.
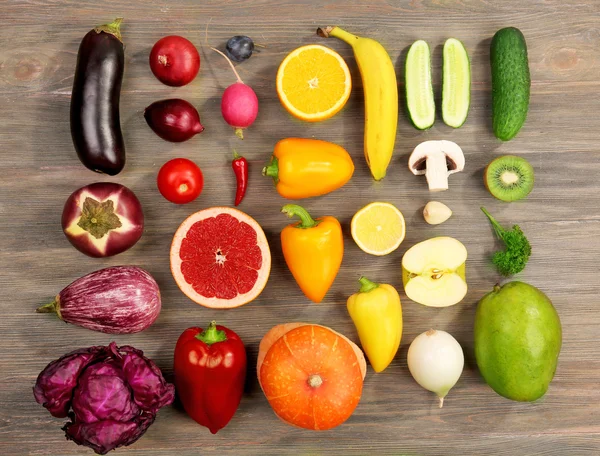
x,y
313,251
302,168
377,314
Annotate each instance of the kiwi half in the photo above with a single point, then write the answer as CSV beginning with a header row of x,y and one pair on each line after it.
x,y
509,178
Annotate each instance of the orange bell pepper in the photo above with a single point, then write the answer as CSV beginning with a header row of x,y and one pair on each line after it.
x,y
313,251
302,168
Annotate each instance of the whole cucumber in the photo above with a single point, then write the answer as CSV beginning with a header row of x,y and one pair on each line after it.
x,y
115,300
510,82
95,120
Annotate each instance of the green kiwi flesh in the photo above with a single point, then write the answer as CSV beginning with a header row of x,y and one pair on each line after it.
x,y
509,178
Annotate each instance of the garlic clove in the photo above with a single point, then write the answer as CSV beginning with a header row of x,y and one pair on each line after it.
x,y
436,213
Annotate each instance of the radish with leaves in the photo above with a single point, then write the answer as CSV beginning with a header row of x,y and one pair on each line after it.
x,y
239,104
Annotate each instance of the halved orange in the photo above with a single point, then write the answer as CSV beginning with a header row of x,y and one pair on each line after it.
x,y
313,83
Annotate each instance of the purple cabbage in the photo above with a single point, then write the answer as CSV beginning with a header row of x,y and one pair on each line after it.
x,y
111,395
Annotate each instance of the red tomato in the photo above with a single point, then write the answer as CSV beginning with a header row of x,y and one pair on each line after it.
x,y
180,181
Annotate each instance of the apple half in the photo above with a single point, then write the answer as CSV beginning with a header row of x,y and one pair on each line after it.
x,y
433,272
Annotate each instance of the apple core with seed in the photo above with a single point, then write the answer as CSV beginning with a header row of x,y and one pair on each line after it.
x,y
433,272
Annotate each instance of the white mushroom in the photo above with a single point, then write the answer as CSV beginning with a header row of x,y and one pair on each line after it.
x,y
437,160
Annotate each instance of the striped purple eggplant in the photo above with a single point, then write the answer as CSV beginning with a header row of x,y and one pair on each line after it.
x,y
115,300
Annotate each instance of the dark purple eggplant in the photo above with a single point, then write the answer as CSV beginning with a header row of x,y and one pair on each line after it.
x,y
115,300
95,120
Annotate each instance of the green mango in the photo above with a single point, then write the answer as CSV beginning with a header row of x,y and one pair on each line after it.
x,y
517,341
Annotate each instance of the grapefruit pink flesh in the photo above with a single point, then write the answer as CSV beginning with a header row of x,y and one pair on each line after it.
x,y
220,258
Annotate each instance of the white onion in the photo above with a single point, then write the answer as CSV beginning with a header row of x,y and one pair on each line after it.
x,y
436,360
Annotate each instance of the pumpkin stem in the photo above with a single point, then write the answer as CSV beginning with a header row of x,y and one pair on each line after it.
x,y
315,380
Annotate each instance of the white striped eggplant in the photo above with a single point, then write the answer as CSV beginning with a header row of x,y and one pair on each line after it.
x,y
115,300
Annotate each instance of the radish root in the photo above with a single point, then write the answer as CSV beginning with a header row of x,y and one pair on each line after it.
x,y
230,64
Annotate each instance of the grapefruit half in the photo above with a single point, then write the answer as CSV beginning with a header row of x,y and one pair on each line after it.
x,y
220,258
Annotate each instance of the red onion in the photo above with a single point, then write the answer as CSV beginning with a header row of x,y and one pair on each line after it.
x,y
173,120
174,61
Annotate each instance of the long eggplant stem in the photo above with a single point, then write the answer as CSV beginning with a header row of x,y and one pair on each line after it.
x,y
47,308
53,307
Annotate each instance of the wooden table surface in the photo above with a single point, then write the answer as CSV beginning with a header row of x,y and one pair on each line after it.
x,y
561,217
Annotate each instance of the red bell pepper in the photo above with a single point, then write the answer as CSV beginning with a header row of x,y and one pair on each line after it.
x,y
210,372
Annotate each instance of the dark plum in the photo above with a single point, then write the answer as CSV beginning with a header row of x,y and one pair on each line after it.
x,y
239,48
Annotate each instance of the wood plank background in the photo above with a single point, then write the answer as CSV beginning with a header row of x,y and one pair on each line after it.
x,y
39,168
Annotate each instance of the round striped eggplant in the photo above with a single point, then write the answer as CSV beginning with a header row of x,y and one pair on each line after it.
x,y
103,219
115,300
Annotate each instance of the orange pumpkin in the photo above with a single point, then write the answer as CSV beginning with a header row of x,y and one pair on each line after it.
x,y
311,375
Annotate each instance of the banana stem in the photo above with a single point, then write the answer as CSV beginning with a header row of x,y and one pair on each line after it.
x,y
337,32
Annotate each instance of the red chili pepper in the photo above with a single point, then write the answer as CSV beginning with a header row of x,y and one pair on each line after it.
x,y
210,372
240,168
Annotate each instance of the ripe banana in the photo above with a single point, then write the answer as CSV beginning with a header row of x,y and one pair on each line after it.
x,y
381,97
